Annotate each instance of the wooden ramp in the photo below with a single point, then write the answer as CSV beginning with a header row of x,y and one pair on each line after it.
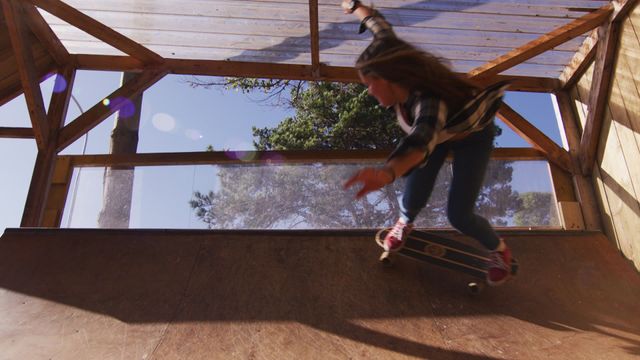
x,y
95,294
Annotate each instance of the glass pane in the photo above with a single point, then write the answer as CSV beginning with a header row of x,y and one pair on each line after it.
x,y
290,196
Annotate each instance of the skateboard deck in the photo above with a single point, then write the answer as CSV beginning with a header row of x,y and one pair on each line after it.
x,y
444,252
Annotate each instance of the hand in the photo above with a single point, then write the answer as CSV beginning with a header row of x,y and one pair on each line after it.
x,y
372,179
346,4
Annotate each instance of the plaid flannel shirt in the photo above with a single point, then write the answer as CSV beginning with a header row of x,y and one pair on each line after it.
x,y
428,120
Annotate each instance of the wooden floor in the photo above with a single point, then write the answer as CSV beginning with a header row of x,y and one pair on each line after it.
x,y
90,294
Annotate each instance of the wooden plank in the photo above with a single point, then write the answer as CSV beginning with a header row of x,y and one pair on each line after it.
x,y
27,70
197,25
277,71
11,87
98,30
545,42
298,12
267,157
48,38
100,111
9,64
580,61
16,133
535,137
530,8
599,94
314,37
622,9
58,193
583,187
59,103
35,210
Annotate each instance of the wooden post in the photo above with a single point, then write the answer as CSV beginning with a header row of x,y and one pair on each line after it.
x,y
34,210
583,187
58,192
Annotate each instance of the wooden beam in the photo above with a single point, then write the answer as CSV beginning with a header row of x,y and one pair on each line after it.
x,y
27,70
277,71
60,98
535,137
622,9
35,206
9,92
102,110
587,52
543,43
315,38
47,37
599,95
42,180
16,133
98,30
580,61
267,157
583,187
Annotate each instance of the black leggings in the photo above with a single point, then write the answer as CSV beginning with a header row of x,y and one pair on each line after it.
x,y
470,159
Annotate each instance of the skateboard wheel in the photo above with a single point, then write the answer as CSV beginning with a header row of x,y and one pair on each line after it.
x,y
474,288
386,259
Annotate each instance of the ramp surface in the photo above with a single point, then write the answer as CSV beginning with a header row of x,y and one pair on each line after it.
x,y
96,294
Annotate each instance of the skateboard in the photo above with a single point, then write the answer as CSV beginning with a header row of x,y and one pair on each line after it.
x,y
446,253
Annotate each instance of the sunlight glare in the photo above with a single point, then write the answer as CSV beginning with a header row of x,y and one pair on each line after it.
x,y
163,122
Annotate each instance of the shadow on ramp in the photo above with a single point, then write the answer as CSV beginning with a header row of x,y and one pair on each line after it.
x,y
248,293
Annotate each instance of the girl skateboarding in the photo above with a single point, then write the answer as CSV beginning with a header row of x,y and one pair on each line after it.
x,y
440,113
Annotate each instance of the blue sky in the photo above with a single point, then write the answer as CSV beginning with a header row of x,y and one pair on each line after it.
x,y
176,117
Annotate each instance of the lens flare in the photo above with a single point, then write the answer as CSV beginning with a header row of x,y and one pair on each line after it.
x,y
193,134
124,106
163,122
60,84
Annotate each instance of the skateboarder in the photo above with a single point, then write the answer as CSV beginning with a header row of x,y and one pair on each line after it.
x,y
440,113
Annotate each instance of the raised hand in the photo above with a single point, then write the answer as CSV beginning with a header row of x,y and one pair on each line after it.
x,y
371,178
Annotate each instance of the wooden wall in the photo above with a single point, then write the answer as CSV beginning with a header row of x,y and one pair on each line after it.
x,y
617,174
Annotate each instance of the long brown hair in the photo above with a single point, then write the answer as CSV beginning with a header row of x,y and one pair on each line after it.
x,y
401,63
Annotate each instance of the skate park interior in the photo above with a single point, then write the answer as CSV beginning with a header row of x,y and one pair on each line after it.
x,y
173,293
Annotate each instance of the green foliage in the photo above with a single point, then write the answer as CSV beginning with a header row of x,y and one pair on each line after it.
x,y
537,208
332,116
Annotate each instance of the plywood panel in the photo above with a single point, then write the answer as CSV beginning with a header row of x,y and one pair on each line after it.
x,y
118,294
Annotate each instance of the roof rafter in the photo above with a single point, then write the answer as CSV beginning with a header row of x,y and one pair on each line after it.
x,y
48,38
535,137
543,43
27,70
98,30
100,111
580,61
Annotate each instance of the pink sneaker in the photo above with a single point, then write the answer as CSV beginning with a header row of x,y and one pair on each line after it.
x,y
394,240
499,270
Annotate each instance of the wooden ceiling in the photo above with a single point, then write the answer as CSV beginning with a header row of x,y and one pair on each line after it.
x,y
466,32
531,41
